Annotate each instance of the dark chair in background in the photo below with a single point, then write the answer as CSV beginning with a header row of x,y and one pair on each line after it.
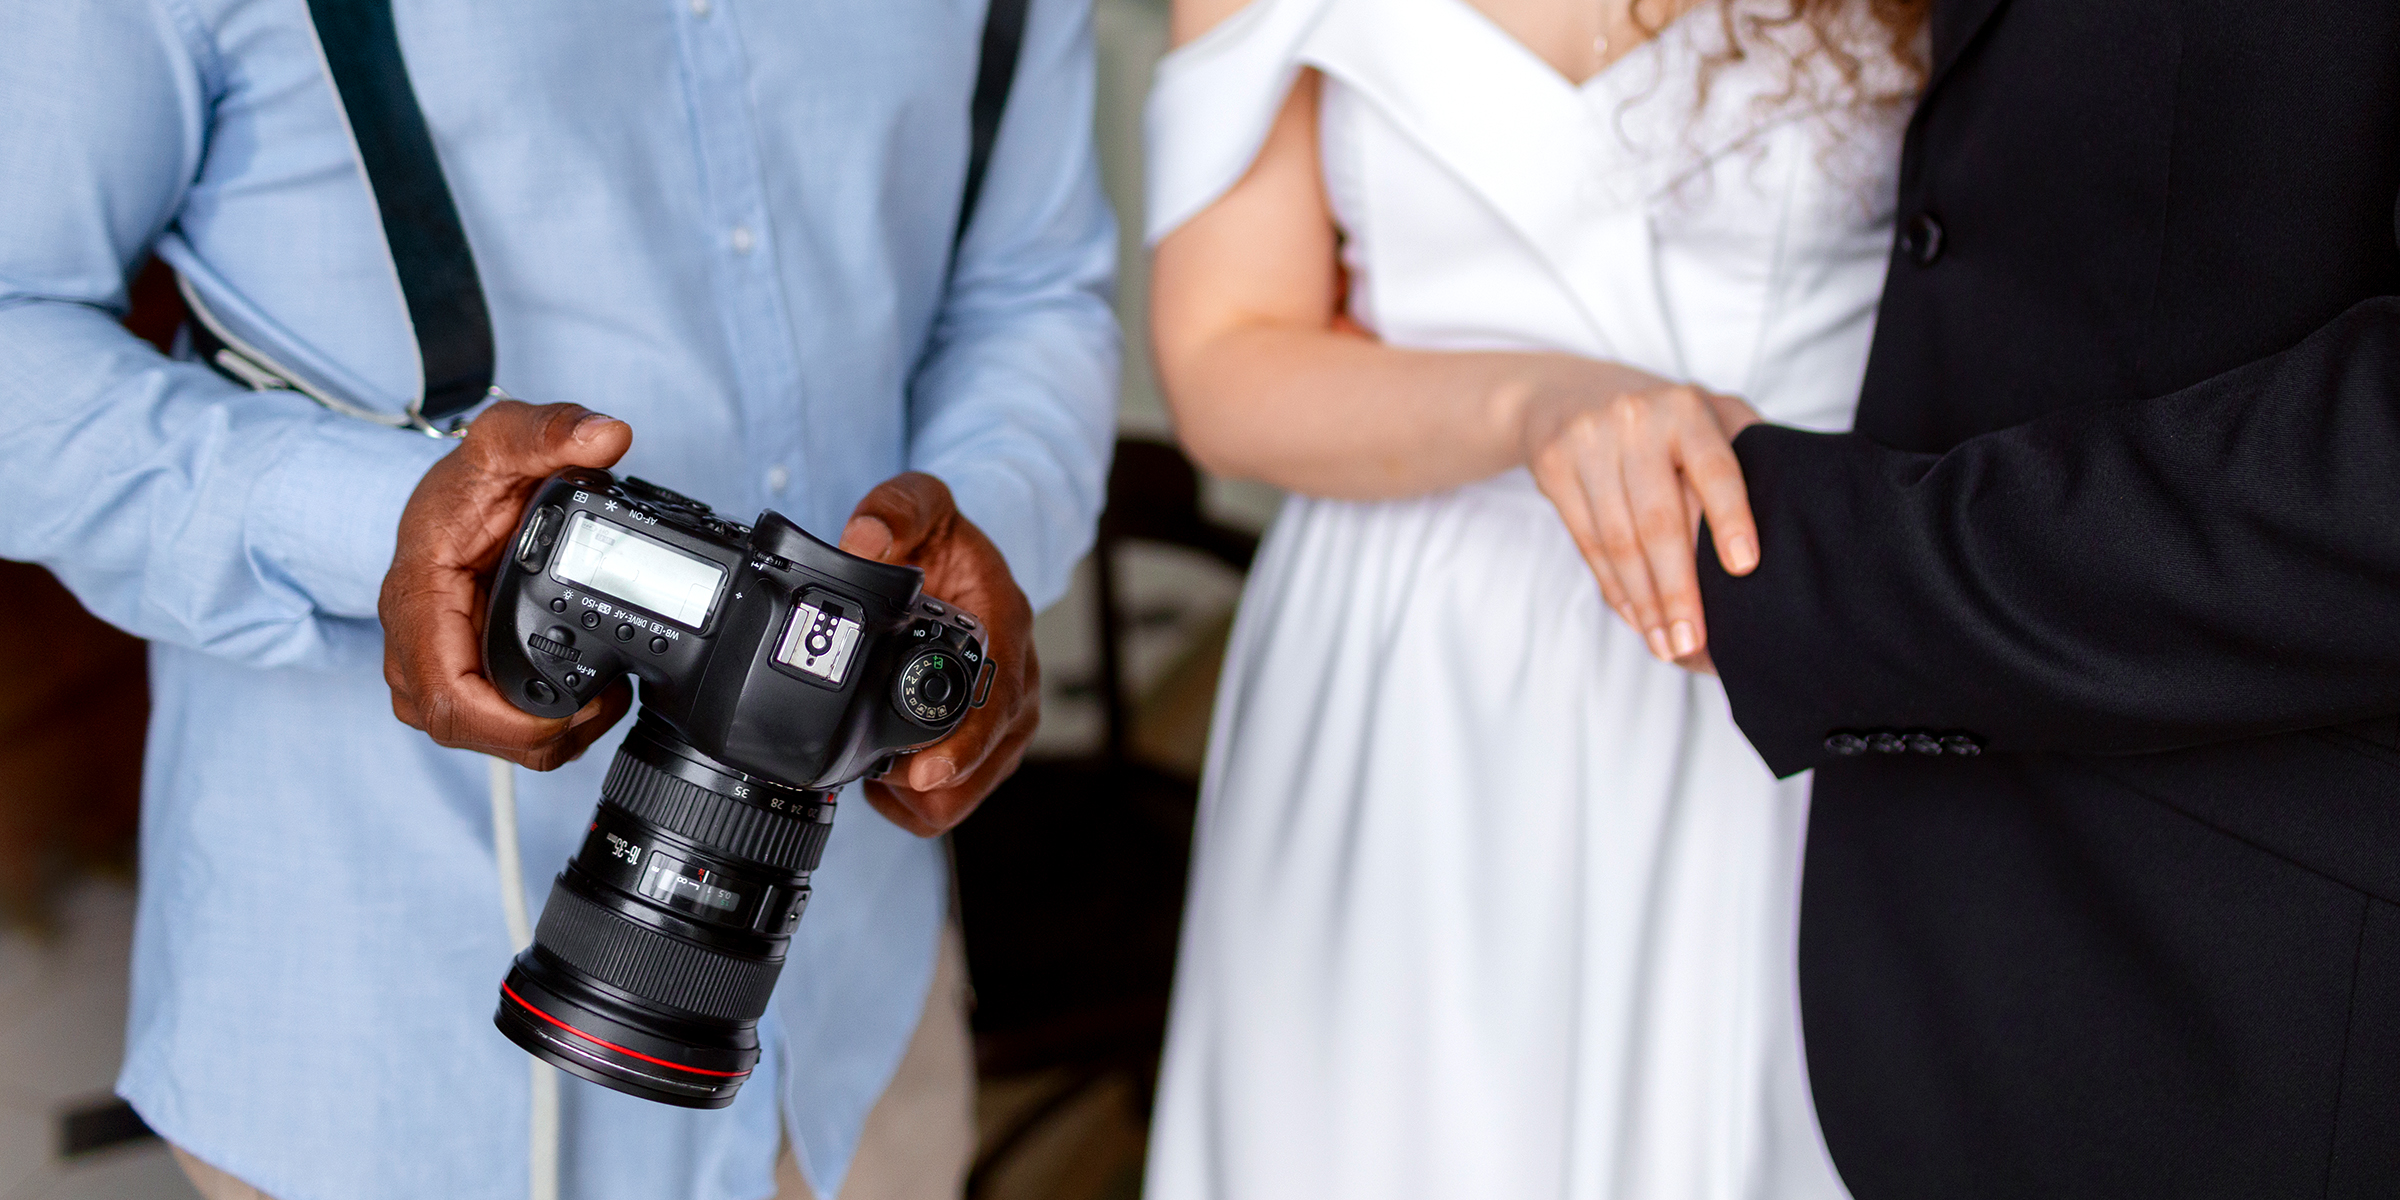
x,y
1071,877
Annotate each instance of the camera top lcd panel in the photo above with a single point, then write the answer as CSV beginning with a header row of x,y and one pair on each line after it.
x,y
754,643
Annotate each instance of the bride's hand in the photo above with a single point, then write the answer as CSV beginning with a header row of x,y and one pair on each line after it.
x,y
1632,473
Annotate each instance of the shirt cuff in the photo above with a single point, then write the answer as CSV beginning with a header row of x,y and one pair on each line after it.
x,y
326,515
1040,542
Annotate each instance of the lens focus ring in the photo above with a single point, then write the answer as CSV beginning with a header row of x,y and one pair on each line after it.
x,y
650,964
725,826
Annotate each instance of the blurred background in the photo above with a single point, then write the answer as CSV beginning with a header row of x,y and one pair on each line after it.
x,y
1070,994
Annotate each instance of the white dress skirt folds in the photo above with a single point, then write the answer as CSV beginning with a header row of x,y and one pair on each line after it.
x,y
1488,902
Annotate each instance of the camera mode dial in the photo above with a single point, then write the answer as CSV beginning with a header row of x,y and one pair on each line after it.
x,y
933,686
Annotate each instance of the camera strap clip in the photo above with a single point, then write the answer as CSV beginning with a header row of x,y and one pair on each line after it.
x,y
431,260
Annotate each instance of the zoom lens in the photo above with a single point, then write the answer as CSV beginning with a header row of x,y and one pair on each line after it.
x,y
662,940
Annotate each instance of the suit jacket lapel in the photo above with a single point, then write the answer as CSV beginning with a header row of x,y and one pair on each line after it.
x,y
1955,23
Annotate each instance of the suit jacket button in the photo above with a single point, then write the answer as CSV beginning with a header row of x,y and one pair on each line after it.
x,y
1963,745
1921,241
1848,745
1923,743
1887,742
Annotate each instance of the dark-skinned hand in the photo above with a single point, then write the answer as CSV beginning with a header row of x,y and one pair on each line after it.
x,y
460,518
452,533
911,519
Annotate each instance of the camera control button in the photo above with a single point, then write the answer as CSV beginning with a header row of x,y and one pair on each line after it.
x,y
658,645
558,644
624,633
541,692
541,533
591,620
558,604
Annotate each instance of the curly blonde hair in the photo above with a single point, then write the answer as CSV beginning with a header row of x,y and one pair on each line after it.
x,y
1847,34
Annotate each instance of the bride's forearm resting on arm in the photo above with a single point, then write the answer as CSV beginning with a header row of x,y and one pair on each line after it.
x,y
1266,380
1330,413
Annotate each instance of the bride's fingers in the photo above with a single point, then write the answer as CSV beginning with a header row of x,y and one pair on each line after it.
x,y
1654,494
1621,547
1564,488
1715,475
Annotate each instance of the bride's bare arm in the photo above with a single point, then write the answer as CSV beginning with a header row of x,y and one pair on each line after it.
x,y
1266,380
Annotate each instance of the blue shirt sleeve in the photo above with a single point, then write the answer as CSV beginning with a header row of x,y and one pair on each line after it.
x,y
1014,406
175,504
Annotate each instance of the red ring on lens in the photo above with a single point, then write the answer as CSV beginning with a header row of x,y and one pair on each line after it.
x,y
511,993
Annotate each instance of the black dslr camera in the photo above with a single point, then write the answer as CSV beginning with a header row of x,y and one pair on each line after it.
x,y
774,669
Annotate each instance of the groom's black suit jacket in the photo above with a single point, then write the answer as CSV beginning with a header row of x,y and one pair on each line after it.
x,y
2122,510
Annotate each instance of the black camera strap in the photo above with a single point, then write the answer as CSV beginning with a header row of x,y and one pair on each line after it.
x,y
420,223
427,241
995,74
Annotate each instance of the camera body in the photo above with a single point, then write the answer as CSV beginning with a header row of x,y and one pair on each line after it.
x,y
718,620
774,669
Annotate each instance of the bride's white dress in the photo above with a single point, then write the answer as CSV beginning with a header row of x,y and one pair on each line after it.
x,y
1487,902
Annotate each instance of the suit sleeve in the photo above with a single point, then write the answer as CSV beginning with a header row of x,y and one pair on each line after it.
x,y
2219,563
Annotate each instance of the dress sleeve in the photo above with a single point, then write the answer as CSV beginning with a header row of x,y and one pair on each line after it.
x,y
1213,102
2215,564
250,525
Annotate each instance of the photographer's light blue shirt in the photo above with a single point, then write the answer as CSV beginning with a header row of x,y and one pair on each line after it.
x,y
725,221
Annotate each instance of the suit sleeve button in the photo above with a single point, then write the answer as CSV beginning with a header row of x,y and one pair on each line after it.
x,y
1848,745
1923,743
1962,745
1887,742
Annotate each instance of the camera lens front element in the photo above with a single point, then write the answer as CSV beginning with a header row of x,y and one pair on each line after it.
x,y
662,940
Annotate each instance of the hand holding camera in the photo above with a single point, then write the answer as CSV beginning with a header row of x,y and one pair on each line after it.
x,y
452,533
911,520
463,513
774,670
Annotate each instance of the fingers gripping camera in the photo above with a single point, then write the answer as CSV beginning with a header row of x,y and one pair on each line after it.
x,y
774,670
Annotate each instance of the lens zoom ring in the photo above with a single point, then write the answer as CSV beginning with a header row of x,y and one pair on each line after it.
x,y
724,825
650,964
